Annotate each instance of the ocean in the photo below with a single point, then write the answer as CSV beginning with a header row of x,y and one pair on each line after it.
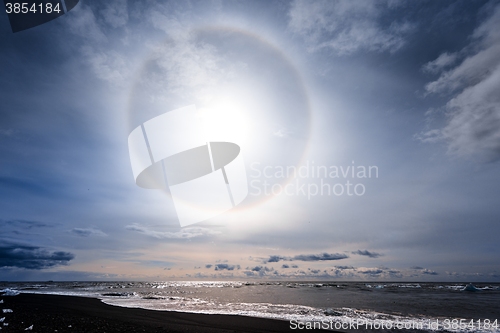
x,y
418,307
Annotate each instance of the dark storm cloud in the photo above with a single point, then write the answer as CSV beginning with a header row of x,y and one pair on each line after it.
x,y
308,257
32,257
221,267
367,253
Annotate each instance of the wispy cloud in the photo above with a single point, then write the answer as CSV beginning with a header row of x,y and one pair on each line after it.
x,y
282,133
473,113
444,60
86,232
115,13
346,26
7,132
24,224
185,233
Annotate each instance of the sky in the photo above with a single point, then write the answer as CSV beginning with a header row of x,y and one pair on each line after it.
x,y
369,130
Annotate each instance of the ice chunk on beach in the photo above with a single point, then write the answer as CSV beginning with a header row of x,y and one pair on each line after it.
x,y
470,287
7,310
2,319
1,301
331,312
29,328
9,292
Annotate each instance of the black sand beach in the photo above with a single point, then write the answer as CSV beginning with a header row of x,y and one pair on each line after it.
x,y
54,313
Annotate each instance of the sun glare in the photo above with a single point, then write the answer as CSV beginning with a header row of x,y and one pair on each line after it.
x,y
227,121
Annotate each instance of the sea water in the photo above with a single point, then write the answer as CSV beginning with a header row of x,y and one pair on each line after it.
x,y
452,307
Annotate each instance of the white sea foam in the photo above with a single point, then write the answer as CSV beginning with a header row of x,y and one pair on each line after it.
x,y
288,312
9,292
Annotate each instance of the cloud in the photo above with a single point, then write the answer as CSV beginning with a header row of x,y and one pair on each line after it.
x,y
108,65
444,60
185,68
7,132
320,257
282,133
86,232
261,268
473,112
373,272
221,267
258,270
185,233
84,24
275,258
27,185
395,273
24,224
425,271
344,267
285,266
308,257
346,26
429,272
367,253
115,13
32,257
208,265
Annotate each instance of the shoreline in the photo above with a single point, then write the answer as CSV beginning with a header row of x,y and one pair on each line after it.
x,y
61,313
